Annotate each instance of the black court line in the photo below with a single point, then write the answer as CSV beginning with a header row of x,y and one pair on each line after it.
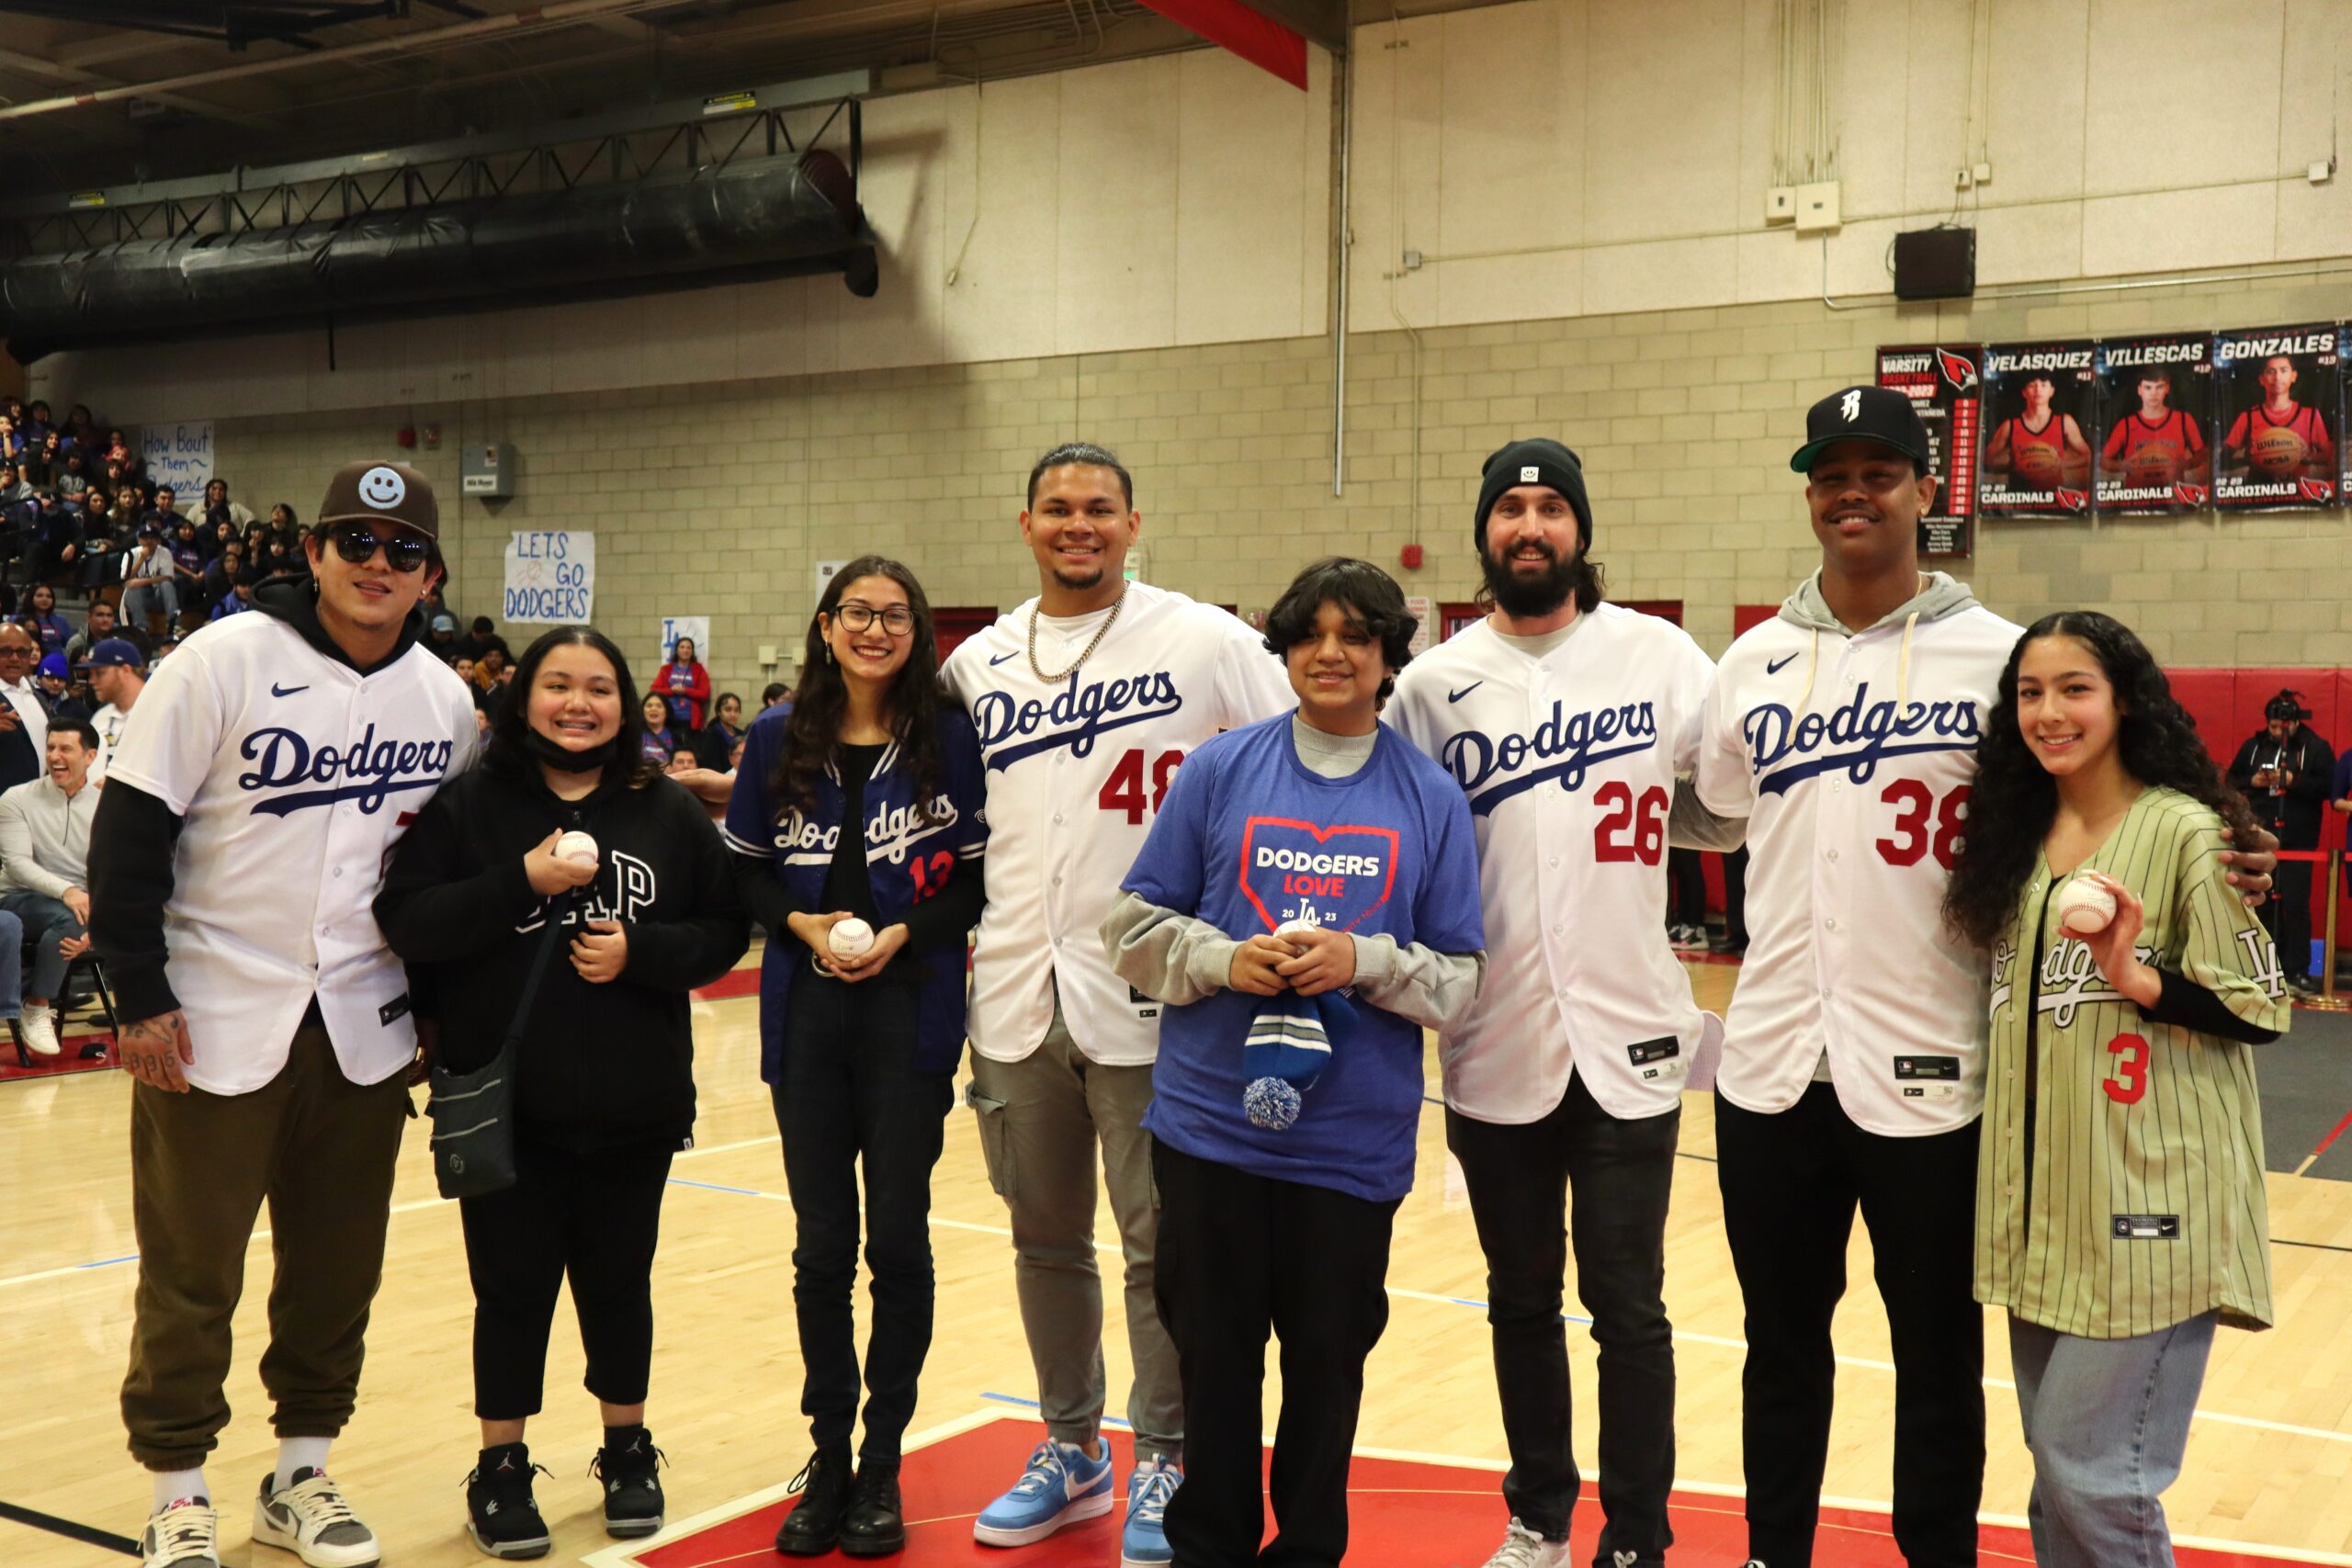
x,y
86,1534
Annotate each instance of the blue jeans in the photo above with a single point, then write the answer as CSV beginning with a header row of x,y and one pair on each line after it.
x,y
2106,1420
51,922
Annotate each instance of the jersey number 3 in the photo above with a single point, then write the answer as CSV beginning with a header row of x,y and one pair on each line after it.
x,y
1914,805
2130,1079
1123,790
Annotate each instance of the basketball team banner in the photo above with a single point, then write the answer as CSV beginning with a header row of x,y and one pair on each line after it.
x,y
2155,457
2040,402
2281,391
1942,381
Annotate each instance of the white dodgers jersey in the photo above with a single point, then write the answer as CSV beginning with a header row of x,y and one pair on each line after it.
x,y
1851,757
294,775
1568,760
1077,769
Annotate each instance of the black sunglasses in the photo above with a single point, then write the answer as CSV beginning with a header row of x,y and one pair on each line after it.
x,y
355,542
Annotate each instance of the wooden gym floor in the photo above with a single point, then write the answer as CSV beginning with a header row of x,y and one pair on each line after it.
x,y
2268,1457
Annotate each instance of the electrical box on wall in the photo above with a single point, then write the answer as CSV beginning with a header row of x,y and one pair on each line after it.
x,y
1817,207
1781,204
487,471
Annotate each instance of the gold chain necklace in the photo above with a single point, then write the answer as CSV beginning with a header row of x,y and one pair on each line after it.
x,y
1099,632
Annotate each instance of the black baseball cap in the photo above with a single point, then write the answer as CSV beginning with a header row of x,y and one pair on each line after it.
x,y
1863,413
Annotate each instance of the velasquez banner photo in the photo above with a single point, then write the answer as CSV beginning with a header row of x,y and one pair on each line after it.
x,y
2282,410
1942,383
2040,403
2155,457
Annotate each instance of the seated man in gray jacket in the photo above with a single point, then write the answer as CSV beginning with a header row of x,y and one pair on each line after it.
x,y
44,880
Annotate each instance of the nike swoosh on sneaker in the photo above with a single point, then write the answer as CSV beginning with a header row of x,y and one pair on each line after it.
x,y
1457,696
1775,666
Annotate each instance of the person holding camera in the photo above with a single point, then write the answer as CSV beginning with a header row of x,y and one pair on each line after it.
x,y
2284,772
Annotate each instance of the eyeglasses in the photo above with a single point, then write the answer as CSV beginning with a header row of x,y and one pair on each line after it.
x,y
356,542
13,652
898,620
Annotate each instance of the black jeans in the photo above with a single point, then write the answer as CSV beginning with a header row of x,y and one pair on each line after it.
x,y
2287,913
1241,1256
1791,1182
596,1216
1620,1173
850,1093
1686,888
1735,897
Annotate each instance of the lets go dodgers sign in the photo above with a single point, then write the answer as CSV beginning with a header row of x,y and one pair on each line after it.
x,y
551,576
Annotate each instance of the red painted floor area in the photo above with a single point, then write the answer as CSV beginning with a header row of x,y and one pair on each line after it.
x,y
1403,1514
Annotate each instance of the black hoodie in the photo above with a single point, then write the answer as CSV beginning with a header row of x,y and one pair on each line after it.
x,y
599,1065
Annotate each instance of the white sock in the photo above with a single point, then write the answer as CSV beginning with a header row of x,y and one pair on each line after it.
x,y
171,1486
299,1453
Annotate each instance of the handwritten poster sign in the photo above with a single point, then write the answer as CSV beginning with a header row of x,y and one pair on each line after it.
x,y
694,629
180,456
551,576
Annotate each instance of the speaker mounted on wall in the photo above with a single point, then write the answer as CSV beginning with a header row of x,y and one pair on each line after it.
x,y
1935,263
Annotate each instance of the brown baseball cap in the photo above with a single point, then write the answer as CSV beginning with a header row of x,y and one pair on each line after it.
x,y
388,492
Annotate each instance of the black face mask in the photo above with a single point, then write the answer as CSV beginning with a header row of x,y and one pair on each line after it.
x,y
565,760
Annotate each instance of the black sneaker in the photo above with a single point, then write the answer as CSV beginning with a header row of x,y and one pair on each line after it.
x,y
874,1525
632,1490
500,1514
815,1523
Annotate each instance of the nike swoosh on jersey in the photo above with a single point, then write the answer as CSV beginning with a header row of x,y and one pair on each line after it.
x,y
278,691
1775,666
1457,696
1002,656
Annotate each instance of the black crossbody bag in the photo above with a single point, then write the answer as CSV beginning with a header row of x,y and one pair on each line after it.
x,y
473,1113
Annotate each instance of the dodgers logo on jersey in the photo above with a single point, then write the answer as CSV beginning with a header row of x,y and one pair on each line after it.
x,y
1074,719
1335,876
367,771
2070,979
1568,744
891,832
1865,733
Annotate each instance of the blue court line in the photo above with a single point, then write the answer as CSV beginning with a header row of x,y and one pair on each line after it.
x,y
1033,1404
714,1187
109,1262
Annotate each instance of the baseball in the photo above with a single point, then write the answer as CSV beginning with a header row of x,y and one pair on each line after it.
x,y
576,845
2084,907
850,938
1290,928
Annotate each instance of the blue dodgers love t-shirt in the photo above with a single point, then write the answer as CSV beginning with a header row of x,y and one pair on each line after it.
x,y
1249,838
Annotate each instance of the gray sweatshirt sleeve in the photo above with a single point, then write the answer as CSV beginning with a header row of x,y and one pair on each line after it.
x,y
1170,957
1691,826
1432,989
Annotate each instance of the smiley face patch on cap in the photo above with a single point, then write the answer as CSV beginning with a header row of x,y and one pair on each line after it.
x,y
382,488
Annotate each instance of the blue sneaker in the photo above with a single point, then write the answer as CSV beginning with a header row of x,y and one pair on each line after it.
x,y
1144,1543
1060,1487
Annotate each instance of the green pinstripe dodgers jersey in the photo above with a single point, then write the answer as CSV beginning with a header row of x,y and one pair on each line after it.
x,y
2118,1185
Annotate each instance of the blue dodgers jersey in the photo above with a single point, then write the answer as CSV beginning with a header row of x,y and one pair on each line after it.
x,y
1249,838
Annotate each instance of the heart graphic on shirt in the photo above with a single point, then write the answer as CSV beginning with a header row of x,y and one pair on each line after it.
x,y
1334,876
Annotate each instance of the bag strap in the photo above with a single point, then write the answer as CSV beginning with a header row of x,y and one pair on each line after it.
x,y
548,945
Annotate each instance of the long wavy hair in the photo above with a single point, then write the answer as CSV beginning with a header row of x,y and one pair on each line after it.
x,y
812,732
2015,799
504,753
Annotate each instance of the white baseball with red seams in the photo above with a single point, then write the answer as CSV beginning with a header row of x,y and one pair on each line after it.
x,y
576,846
851,937
2084,907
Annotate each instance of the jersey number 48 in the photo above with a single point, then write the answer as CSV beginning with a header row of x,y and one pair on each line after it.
x,y
1123,790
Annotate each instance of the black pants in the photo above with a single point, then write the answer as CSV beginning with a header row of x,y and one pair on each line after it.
x,y
1686,888
850,1093
594,1216
1735,897
1241,1256
1791,1182
2287,913
1620,1173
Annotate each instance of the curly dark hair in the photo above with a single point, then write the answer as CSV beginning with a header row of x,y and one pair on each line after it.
x,y
505,754
2015,799
1369,596
812,733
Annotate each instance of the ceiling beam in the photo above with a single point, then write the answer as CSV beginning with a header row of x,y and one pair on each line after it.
x,y
76,76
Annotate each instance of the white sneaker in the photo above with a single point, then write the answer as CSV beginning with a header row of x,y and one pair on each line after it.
x,y
184,1535
1522,1547
311,1520
40,1026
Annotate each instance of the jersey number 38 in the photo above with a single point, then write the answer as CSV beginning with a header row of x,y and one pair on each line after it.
x,y
1922,824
